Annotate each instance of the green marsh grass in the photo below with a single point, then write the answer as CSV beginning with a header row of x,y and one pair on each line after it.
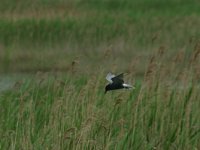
x,y
72,112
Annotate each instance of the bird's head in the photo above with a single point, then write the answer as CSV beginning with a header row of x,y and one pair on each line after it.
x,y
106,88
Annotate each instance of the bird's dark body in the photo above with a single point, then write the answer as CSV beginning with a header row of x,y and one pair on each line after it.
x,y
112,86
117,83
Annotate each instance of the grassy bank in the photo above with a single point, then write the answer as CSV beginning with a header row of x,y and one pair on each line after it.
x,y
93,22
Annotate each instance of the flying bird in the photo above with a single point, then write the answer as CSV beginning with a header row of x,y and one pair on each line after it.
x,y
116,82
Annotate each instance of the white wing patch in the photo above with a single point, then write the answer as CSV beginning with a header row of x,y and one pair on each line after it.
x,y
128,86
109,77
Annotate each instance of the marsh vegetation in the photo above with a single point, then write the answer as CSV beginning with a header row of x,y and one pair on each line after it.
x,y
54,56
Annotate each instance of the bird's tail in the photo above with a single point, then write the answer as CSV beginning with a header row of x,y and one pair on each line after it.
x,y
128,86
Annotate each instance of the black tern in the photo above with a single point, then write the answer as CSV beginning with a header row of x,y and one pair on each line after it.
x,y
116,82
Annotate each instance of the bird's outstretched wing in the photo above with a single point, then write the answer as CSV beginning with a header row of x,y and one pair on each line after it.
x,y
110,77
118,78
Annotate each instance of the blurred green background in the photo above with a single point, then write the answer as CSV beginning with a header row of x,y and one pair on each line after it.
x,y
51,35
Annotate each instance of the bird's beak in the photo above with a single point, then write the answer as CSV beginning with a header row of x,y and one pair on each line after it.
x,y
105,92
